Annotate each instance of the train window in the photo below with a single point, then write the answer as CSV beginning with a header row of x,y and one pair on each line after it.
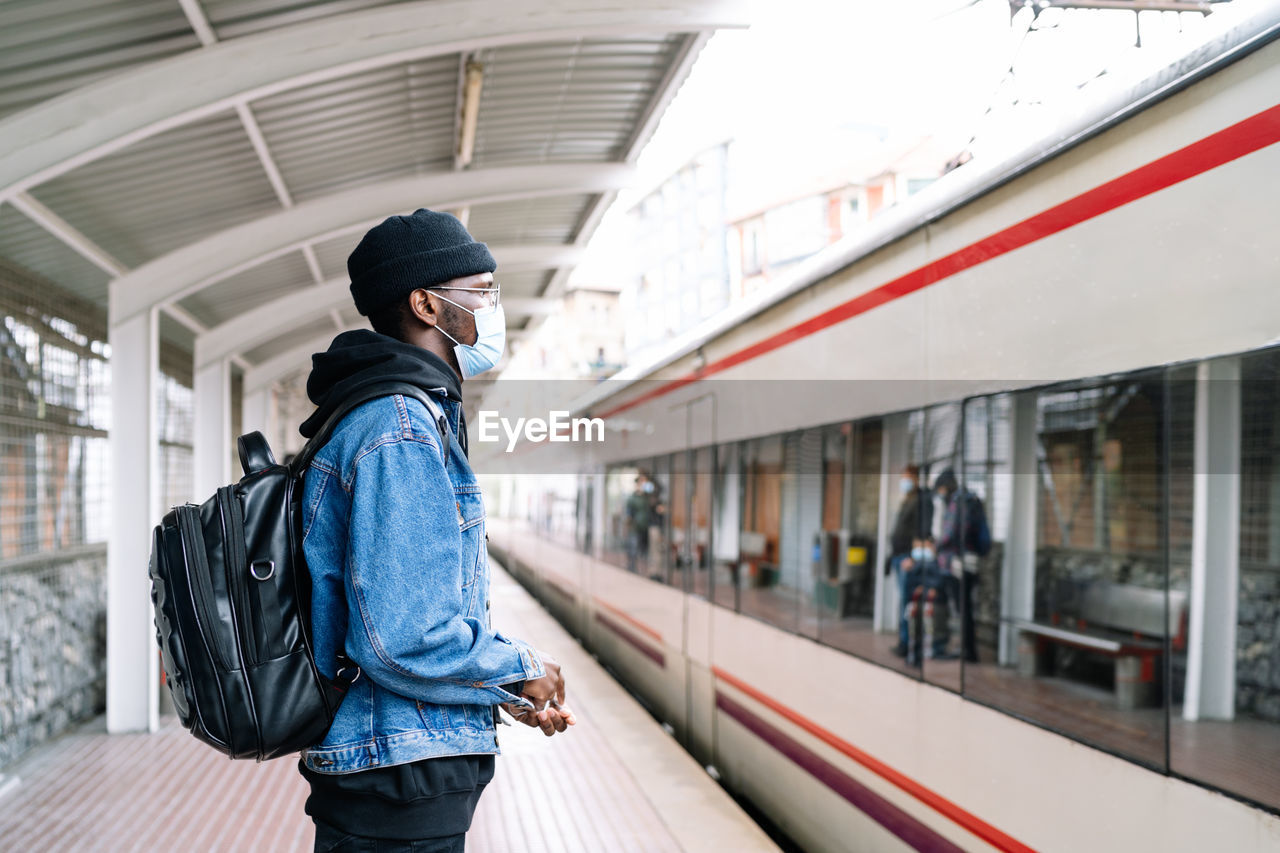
x,y
681,548
1225,720
627,517
763,539
851,571
941,587
726,525
661,549
700,532
585,515
1083,623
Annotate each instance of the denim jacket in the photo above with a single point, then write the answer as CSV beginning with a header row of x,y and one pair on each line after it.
x,y
395,541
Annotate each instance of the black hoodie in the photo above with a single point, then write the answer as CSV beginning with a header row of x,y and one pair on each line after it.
x,y
360,358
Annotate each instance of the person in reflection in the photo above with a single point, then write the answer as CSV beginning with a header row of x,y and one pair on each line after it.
x,y
926,609
963,538
913,522
639,509
394,536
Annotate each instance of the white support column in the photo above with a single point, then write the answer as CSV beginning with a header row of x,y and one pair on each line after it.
x,y
1018,587
255,412
213,448
133,677
1215,544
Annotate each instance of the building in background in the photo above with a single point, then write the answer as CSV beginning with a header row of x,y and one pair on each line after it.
x,y
580,339
738,214
679,271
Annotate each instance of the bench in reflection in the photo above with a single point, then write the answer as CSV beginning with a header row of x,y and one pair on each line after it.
x,y
1125,623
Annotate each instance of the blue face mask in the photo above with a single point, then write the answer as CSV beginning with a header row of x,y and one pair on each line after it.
x,y
922,554
491,339
906,486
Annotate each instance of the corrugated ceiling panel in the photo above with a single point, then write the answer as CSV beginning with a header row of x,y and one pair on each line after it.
x,y
567,101
172,189
374,126
28,246
332,254
235,18
220,302
288,341
48,47
553,219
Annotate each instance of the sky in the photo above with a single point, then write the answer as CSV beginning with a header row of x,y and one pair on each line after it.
x,y
965,72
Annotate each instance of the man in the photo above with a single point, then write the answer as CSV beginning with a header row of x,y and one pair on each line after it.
x,y
913,521
393,531
638,505
962,513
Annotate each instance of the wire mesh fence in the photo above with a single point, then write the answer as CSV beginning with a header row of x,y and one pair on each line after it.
x,y
55,380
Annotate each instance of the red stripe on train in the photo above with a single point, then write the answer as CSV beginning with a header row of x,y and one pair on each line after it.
x,y
1230,143
934,800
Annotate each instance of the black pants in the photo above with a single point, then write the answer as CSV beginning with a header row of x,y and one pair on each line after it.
x,y
332,840
425,806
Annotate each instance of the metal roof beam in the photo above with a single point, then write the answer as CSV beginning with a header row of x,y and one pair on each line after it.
x,y
56,136
305,305
60,228
193,267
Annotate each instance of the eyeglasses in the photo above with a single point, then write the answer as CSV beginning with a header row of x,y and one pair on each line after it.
x,y
492,295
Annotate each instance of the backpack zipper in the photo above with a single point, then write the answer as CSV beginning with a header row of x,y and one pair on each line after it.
x,y
201,589
238,569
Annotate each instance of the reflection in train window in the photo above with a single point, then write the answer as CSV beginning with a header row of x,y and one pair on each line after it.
x,y
763,539
700,538
1082,640
584,512
988,475
726,526
1117,597
943,627
849,561
626,531
1227,730
679,556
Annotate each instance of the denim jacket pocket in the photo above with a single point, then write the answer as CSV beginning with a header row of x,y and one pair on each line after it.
x,y
435,718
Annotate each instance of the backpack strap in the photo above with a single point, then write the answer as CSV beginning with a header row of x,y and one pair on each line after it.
x,y
364,395
348,671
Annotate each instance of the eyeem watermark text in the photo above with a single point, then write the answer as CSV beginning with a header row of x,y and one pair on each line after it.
x,y
557,427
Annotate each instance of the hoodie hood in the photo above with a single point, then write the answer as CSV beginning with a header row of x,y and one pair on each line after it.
x,y
363,357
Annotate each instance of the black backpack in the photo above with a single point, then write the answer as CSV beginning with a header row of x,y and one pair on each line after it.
x,y
232,597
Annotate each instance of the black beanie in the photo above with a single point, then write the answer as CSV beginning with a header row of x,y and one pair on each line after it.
x,y
404,253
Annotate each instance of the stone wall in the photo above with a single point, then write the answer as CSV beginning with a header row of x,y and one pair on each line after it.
x,y
53,648
1078,564
1258,644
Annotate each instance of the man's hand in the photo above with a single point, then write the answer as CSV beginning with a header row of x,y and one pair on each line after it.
x,y
547,695
907,564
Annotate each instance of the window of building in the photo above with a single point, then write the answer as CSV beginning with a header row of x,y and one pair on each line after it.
x,y
796,230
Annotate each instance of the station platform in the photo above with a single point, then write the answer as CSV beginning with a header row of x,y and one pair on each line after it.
x,y
615,782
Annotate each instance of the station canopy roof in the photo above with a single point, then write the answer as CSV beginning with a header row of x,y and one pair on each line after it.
x,y
220,158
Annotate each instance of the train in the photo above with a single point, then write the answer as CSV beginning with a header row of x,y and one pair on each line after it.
x,y
1085,333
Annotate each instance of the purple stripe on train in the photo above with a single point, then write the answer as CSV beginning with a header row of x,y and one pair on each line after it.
x,y
883,812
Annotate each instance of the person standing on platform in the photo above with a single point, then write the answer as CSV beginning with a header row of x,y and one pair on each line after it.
x,y
394,536
913,521
638,509
963,532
